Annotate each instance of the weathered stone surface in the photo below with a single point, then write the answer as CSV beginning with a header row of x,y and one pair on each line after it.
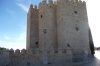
x,y
57,35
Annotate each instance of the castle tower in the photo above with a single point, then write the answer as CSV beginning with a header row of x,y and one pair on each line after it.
x,y
47,25
32,28
72,25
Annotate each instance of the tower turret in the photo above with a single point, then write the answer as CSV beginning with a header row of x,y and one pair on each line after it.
x,y
31,6
32,28
47,25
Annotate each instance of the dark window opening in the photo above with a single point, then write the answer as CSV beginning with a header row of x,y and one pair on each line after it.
x,y
77,28
45,31
68,45
41,16
36,43
75,12
28,63
49,63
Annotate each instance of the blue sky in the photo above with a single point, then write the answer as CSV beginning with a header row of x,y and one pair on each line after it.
x,y
13,18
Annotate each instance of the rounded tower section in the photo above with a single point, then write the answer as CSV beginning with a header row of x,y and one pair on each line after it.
x,y
47,24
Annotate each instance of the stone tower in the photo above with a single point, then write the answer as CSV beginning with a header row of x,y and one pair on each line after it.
x,y
72,25
47,25
32,28
59,24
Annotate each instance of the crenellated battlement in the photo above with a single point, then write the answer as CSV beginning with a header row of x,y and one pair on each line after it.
x,y
52,51
33,8
49,3
46,3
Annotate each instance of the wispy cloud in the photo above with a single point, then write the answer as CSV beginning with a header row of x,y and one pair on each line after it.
x,y
22,36
25,8
11,12
7,37
14,45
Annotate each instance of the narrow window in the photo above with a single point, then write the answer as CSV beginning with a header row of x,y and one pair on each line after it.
x,y
45,31
68,45
75,12
36,43
77,29
41,16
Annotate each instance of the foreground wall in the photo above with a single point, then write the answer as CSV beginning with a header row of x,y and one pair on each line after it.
x,y
39,58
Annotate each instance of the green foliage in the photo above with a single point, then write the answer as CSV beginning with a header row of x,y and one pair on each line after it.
x,y
2,48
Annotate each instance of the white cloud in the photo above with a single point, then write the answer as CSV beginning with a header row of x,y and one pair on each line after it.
x,y
7,37
22,36
14,45
25,8
11,12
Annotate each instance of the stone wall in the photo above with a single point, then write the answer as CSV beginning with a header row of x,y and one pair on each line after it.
x,y
72,25
38,57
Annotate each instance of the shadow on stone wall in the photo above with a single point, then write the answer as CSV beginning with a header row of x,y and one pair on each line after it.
x,y
91,42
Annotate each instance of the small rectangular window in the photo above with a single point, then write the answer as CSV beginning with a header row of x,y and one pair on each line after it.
x,y
77,29
75,12
41,16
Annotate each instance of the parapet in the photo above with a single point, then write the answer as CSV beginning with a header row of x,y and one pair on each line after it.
x,y
51,51
44,3
23,52
11,52
73,1
17,52
33,8
38,51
